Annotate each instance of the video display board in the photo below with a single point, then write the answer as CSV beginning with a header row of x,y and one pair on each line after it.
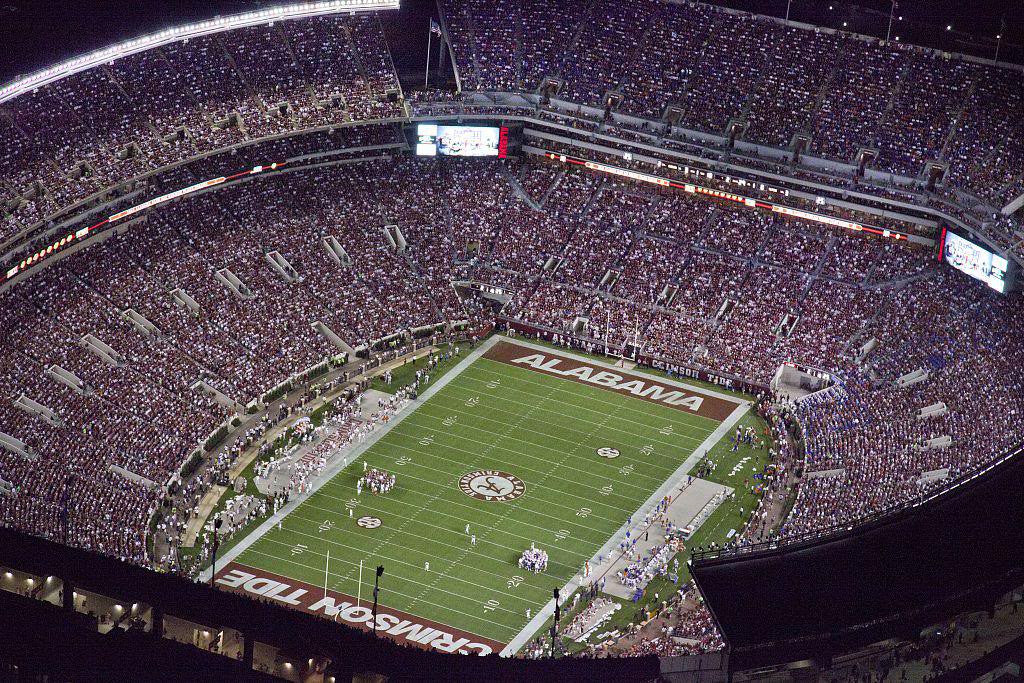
x,y
434,139
975,260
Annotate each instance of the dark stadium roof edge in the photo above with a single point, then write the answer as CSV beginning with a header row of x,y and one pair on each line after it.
x,y
184,32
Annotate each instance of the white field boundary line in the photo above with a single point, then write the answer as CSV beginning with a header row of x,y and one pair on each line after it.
x,y
353,455
409,408
671,484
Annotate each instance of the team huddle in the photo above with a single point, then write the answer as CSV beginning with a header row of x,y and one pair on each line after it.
x,y
377,481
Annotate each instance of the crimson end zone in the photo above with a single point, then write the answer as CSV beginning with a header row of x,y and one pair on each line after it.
x,y
399,626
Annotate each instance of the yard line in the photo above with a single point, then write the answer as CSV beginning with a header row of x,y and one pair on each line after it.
x,y
587,499
593,395
689,427
436,515
562,427
461,519
395,560
397,592
603,462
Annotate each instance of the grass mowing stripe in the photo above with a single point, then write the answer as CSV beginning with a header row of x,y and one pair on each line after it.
x,y
607,465
564,428
525,539
559,493
586,392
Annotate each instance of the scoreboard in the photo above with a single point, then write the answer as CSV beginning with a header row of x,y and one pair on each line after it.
x,y
975,260
433,139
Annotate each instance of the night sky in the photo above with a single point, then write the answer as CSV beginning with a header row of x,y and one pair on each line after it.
x,y
35,33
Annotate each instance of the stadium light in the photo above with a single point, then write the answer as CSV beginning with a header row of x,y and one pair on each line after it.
x,y
216,538
156,39
376,589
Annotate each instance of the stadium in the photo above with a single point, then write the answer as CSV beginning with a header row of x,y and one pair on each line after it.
x,y
514,340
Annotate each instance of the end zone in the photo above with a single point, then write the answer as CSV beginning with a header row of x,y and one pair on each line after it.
x,y
685,397
399,626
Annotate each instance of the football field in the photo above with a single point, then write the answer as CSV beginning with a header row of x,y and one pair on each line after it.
x,y
525,446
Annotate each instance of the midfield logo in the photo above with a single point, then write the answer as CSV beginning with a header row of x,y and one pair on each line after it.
x,y
492,485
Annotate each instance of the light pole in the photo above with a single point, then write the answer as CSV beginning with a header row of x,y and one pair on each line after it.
x,y
892,10
789,3
554,627
216,538
376,587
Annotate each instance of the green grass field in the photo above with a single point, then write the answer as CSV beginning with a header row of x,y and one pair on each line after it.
x,y
492,416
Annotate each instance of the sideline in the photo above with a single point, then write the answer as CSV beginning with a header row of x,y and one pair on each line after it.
x,y
674,481
350,457
211,499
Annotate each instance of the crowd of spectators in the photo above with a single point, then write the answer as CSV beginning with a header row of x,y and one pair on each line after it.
x,y
68,140
713,66
709,285
869,435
